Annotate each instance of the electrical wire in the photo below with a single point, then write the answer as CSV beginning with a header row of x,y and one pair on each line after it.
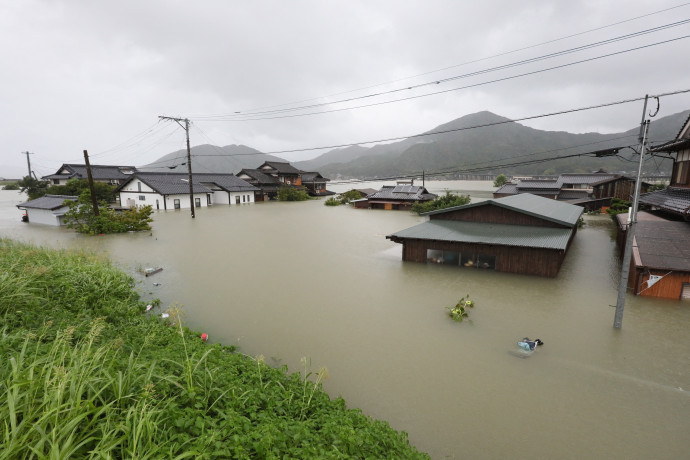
x,y
257,110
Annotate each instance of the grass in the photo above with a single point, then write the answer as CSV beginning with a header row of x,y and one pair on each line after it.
x,y
85,373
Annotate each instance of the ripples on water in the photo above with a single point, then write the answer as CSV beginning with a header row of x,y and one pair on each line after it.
x,y
301,279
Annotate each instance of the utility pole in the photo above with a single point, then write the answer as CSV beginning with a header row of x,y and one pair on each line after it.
x,y
94,201
28,161
632,220
189,157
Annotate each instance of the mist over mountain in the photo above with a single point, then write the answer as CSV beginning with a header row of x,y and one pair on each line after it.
x,y
210,158
503,147
489,147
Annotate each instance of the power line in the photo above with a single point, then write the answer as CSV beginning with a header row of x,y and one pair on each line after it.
x,y
255,111
274,114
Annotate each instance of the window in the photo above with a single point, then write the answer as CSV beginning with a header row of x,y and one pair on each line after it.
x,y
237,199
177,203
208,199
138,186
142,197
436,256
56,181
197,202
244,197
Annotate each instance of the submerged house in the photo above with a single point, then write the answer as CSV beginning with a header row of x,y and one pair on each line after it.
x,y
47,210
397,197
315,183
113,175
163,190
523,233
267,186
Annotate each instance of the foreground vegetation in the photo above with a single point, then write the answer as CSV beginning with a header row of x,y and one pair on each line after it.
x,y
85,373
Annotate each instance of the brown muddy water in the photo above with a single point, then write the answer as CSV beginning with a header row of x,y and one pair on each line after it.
x,y
288,280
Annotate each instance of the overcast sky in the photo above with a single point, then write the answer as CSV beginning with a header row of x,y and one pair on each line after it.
x,y
96,75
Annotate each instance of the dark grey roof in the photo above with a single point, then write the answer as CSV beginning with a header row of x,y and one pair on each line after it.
x,y
573,194
49,202
365,191
177,183
281,167
508,188
260,177
538,185
483,233
663,245
98,172
533,205
672,199
402,192
228,182
312,177
564,179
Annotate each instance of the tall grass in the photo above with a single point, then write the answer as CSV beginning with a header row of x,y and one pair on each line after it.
x,y
86,374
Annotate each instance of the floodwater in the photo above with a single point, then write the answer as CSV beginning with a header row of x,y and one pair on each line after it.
x,y
288,280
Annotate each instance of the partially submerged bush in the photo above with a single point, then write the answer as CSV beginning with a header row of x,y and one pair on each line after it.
x,y
459,311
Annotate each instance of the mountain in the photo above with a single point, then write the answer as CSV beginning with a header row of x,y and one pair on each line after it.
x,y
505,142
210,158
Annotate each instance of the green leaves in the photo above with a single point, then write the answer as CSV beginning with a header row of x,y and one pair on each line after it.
x,y
448,200
459,311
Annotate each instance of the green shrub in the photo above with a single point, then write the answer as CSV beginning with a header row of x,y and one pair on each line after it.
x,y
292,194
80,217
448,200
501,179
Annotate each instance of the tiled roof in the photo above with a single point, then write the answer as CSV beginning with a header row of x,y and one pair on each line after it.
x,y
533,205
177,183
564,179
573,194
498,234
663,245
313,177
282,167
98,172
672,199
538,185
49,202
260,177
507,188
402,192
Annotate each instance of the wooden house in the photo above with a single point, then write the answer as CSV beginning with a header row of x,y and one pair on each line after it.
x,y
675,200
523,233
315,183
283,171
395,197
47,210
113,175
267,185
164,190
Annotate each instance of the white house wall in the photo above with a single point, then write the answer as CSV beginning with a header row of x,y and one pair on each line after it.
x,y
46,216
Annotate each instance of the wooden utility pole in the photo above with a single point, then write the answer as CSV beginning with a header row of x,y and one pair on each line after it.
x,y
632,220
94,201
189,157
28,161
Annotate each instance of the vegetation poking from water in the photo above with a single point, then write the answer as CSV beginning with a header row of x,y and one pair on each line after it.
x,y
81,217
449,200
75,187
501,180
618,206
292,194
343,198
85,373
33,187
11,186
459,311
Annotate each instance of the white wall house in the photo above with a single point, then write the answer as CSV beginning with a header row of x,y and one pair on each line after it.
x,y
164,191
46,210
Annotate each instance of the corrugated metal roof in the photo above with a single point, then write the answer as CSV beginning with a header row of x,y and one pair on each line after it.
x,y
533,205
49,202
498,234
663,245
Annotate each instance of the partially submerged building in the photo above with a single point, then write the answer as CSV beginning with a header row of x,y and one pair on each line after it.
x,y
113,175
47,210
395,197
523,233
164,190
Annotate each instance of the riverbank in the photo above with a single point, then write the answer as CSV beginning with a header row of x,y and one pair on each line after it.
x,y
86,372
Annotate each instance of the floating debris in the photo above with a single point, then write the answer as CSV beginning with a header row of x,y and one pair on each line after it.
x,y
165,315
149,307
156,284
152,271
204,337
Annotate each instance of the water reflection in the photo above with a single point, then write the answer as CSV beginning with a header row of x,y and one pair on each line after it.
x,y
288,280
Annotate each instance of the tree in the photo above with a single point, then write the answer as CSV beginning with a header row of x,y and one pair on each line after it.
x,y
75,187
34,188
449,200
81,218
501,179
292,194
